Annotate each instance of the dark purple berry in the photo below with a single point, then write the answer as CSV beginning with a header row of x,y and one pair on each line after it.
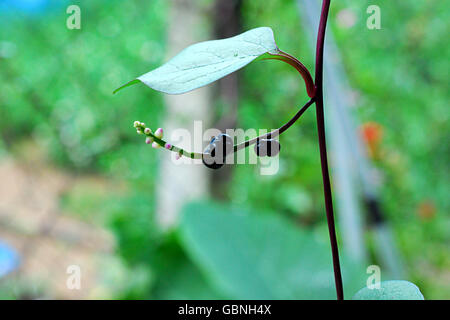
x,y
217,150
267,147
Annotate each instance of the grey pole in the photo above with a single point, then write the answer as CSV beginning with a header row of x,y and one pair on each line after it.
x,y
351,169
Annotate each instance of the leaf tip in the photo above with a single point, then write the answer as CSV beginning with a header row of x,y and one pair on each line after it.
x,y
129,83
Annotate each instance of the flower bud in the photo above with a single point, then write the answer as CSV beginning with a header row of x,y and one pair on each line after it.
x,y
148,140
139,131
155,145
168,146
147,131
159,133
136,124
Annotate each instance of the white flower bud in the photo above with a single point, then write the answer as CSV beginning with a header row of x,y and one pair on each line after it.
x,y
156,145
159,133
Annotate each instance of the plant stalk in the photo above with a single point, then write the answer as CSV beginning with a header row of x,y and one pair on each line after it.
x,y
323,148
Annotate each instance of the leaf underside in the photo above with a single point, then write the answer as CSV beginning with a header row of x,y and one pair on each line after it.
x,y
206,62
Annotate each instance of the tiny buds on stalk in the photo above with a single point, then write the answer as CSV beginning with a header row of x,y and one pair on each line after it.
x,y
147,131
142,124
139,131
136,124
168,146
155,145
148,140
177,156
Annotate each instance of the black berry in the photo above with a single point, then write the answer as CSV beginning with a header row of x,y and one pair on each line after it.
x,y
217,150
267,147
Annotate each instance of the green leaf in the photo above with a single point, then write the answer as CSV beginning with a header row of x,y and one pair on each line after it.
x,y
177,277
184,282
261,256
206,62
391,290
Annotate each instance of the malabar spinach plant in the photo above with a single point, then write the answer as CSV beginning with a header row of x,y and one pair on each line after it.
x,y
205,62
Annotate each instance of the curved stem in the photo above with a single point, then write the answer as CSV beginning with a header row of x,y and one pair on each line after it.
x,y
323,148
276,132
294,62
237,147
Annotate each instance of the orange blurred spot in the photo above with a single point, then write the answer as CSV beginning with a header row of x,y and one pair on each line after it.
x,y
371,133
426,209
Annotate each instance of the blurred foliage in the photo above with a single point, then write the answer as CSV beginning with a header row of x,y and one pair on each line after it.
x,y
262,256
401,74
57,91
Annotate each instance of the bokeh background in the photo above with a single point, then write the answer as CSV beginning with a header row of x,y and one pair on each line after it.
x,y
79,187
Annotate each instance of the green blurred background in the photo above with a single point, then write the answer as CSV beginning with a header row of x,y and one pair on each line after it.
x,y
79,187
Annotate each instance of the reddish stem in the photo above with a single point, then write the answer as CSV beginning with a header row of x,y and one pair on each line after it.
x,y
323,148
283,56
